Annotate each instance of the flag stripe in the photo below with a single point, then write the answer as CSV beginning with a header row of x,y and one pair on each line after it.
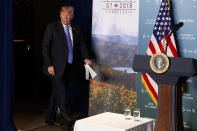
x,y
153,83
161,47
171,45
148,90
173,41
172,48
154,41
152,48
169,52
148,52
150,86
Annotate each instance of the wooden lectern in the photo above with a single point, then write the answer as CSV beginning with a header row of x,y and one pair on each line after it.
x,y
170,94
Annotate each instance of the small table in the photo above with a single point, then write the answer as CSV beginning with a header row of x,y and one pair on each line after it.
x,y
113,122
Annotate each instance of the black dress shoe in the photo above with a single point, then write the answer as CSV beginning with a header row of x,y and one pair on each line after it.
x,y
53,123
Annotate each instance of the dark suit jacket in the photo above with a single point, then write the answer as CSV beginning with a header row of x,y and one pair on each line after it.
x,y
55,50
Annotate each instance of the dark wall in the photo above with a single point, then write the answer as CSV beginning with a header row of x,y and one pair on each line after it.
x,y
23,41
45,12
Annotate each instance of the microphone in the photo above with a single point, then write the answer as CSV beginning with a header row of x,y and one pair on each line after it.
x,y
174,29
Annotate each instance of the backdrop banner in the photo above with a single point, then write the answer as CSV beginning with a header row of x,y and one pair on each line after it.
x,y
183,11
115,42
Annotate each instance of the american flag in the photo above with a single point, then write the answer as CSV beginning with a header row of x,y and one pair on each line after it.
x,y
161,31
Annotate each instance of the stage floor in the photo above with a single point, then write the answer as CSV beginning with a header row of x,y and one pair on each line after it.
x,y
29,115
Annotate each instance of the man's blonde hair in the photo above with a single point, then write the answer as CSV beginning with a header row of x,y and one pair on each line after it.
x,y
67,8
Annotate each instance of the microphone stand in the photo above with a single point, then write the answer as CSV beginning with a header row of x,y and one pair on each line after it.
x,y
168,41
180,24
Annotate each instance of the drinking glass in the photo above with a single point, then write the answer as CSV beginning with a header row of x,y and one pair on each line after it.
x,y
127,113
136,114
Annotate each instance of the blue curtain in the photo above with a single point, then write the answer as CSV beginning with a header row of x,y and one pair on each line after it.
x,y
6,66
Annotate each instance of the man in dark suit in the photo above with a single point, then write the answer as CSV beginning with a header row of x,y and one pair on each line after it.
x,y
63,47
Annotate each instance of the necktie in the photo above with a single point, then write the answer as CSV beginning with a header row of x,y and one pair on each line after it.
x,y
70,50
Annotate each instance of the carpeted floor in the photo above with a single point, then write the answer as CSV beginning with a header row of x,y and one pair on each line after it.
x,y
29,115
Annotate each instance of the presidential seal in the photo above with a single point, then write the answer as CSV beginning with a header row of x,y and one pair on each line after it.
x,y
159,63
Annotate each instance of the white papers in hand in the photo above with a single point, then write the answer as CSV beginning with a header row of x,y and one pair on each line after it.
x,y
90,71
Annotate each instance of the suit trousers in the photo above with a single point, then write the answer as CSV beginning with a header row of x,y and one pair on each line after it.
x,y
58,96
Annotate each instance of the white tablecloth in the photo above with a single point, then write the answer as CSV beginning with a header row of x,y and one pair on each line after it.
x,y
113,122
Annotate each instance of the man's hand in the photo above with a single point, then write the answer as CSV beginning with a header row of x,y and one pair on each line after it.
x,y
87,61
51,70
